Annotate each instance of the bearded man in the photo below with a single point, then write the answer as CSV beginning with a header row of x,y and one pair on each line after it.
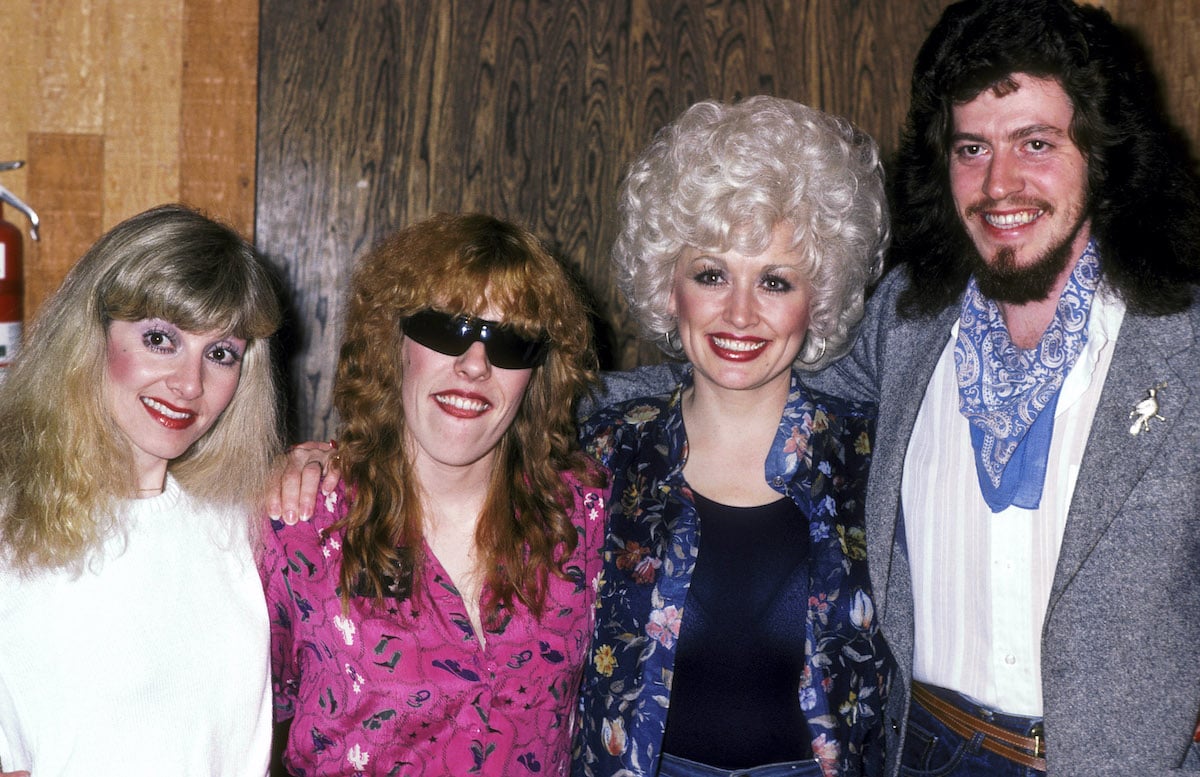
x,y
1034,499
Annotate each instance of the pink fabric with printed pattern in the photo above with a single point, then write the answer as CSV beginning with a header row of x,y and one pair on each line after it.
x,y
407,689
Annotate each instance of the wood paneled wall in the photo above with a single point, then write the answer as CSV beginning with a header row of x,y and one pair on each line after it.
x,y
379,112
120,105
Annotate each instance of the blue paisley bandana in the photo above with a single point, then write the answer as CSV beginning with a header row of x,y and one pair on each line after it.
x,y
1009,395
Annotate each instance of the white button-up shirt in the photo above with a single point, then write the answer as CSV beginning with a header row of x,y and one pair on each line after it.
x,y
981,580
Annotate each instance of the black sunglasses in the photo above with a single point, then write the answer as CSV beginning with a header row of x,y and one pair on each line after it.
x,y
453,335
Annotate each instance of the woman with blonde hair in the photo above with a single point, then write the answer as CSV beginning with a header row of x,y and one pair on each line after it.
x,y
735,629
136,428
434,613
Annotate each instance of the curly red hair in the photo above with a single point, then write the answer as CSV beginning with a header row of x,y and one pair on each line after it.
x,y
462,264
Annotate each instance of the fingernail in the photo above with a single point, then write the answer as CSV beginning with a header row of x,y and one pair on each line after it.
x,y
290,517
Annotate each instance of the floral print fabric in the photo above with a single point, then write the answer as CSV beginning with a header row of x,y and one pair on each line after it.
x,y
819,460
407,689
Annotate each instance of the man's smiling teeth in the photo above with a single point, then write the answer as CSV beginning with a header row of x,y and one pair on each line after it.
x,y
162,409
1010,220
462,403
739,345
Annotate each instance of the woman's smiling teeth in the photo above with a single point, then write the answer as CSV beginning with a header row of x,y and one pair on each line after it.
x,y
460,402
744,346
169,412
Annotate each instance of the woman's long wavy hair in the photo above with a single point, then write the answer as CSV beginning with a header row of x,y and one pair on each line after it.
x,y
64,462
461,264
1143,190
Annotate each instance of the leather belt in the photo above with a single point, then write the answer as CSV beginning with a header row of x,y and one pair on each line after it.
x,y
1026,751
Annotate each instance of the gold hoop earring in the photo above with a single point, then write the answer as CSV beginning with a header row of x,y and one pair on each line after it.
x,y
819,355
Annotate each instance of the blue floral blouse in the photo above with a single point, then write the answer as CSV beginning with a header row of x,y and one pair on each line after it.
x,y
819,460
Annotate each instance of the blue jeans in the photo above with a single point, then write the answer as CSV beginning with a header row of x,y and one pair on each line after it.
x,y
674,766
932,750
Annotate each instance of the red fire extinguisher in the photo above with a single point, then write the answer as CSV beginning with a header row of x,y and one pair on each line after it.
x,y
12,273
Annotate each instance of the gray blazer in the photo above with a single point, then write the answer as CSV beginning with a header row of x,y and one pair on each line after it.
x,y
1121,639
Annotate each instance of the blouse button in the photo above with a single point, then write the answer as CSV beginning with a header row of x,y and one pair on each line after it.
x,y
778,481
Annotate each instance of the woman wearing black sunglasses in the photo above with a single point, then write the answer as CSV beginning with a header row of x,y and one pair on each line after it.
x,y
434,614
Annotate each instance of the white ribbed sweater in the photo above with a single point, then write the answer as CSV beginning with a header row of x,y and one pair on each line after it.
x,y
154,662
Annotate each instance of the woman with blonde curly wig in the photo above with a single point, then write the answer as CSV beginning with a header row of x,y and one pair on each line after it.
x,y
434,612
136,428
734,630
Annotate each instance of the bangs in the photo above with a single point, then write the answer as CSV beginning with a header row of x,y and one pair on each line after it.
x,y
502,275
713,232
221,294
465,264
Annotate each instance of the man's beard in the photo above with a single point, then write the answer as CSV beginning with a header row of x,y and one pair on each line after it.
x,y
1003,280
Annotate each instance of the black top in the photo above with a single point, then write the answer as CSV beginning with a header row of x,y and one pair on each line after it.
x,y
735,693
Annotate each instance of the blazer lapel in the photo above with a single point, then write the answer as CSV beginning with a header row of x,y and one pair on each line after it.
x,y
1149,351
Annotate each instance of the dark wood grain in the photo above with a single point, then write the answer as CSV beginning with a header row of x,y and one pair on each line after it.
x,y
376,113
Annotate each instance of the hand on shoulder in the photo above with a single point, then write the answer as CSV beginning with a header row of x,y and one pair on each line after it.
x,y
292,489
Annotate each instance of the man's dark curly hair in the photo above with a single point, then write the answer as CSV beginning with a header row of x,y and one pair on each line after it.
x,y
1143,189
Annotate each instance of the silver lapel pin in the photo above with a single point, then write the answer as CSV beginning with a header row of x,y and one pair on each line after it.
x,y
1145,410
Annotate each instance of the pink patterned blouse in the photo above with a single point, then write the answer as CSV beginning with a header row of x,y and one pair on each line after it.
x,y
407,689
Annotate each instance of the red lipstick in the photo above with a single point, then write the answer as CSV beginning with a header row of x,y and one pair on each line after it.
x,y
167,415
736,348
462,404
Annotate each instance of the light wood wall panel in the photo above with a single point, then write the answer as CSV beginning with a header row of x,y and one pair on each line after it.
x,y
142,63
18,75
69,187
219,108
120,105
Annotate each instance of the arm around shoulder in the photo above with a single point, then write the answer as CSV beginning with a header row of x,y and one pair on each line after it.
x,y
857,375
648,381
